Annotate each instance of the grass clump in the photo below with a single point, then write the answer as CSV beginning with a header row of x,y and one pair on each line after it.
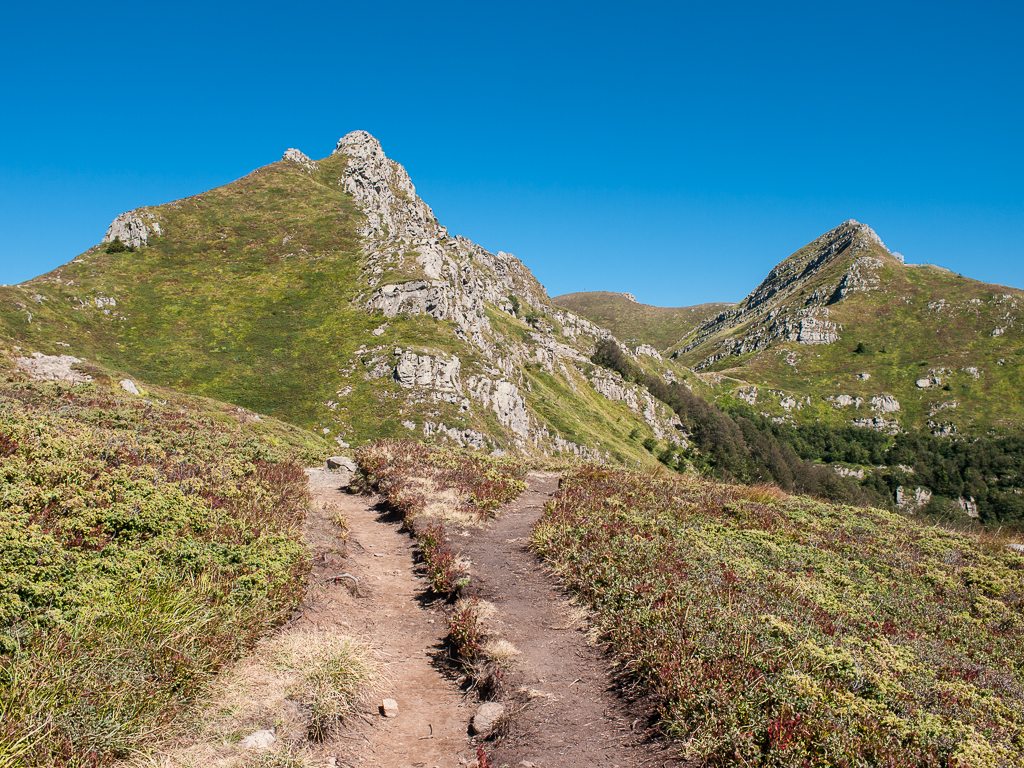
x,y
334,672
142,547
783,631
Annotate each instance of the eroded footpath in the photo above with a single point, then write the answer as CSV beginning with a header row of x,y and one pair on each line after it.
x,y
394,614
570,714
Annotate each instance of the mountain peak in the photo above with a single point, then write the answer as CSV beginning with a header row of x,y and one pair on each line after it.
x,y
857,228
360,144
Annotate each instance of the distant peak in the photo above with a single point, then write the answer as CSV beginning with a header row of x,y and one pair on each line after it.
x,y
863,229
360,144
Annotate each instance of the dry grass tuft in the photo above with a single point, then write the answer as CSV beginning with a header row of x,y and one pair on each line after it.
x,y
333,672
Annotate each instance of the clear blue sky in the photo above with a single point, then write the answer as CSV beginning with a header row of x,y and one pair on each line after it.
x,y
675,151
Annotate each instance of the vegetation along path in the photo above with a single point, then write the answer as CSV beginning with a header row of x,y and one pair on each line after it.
x,y
568,713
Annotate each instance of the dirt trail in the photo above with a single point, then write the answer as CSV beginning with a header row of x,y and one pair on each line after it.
x,y
578,720
431,727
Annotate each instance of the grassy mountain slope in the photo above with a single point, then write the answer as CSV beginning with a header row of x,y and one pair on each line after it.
x,y
882,326
288,292
144,543
635,323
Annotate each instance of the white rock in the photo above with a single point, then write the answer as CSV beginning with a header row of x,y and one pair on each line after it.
x,y
129,386
295,156
341,462
133,228
885,404
923,383
389,708
259,740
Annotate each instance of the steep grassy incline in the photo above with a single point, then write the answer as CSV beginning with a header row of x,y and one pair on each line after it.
x,y
326,294
246,296
635,323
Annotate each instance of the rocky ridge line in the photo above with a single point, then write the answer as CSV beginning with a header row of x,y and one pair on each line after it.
x,y
455,281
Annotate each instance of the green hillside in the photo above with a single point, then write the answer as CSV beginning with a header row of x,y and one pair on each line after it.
x,y
259,293
635,323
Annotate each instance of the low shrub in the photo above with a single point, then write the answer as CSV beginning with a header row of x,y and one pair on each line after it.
x,y
142,547
778,630
428,484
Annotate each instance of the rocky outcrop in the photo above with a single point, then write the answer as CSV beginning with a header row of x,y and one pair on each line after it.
x,y
133,228
647,349
295,156
663,422
885,404
51,368
400,233
439,374
913,501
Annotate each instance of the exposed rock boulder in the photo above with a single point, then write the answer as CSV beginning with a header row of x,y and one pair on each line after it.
x,y
133,228
51,367
486,717
341,462
885,404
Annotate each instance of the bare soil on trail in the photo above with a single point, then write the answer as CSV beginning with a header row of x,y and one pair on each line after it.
x,y
570,714
394,615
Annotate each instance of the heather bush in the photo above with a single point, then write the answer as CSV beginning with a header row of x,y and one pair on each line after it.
x,y
142,547
778,630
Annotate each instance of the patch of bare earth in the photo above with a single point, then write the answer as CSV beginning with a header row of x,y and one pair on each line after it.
x,y
406,631
571,714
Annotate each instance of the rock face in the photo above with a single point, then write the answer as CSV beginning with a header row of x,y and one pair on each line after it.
x,y
436,373
456,281
133,228
401,233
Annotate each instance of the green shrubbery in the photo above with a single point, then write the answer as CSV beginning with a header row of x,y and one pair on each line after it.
x,y
736,448
781,631
142,546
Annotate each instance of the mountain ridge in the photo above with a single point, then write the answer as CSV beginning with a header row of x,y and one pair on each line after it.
x,y
234,291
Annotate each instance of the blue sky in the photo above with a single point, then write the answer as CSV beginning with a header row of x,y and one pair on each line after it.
x,y
674,151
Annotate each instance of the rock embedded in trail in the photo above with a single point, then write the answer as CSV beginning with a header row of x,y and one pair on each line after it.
x,y
486,718
389,708
341,462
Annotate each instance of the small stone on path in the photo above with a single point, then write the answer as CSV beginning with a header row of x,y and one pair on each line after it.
x,y
486,718
389,708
